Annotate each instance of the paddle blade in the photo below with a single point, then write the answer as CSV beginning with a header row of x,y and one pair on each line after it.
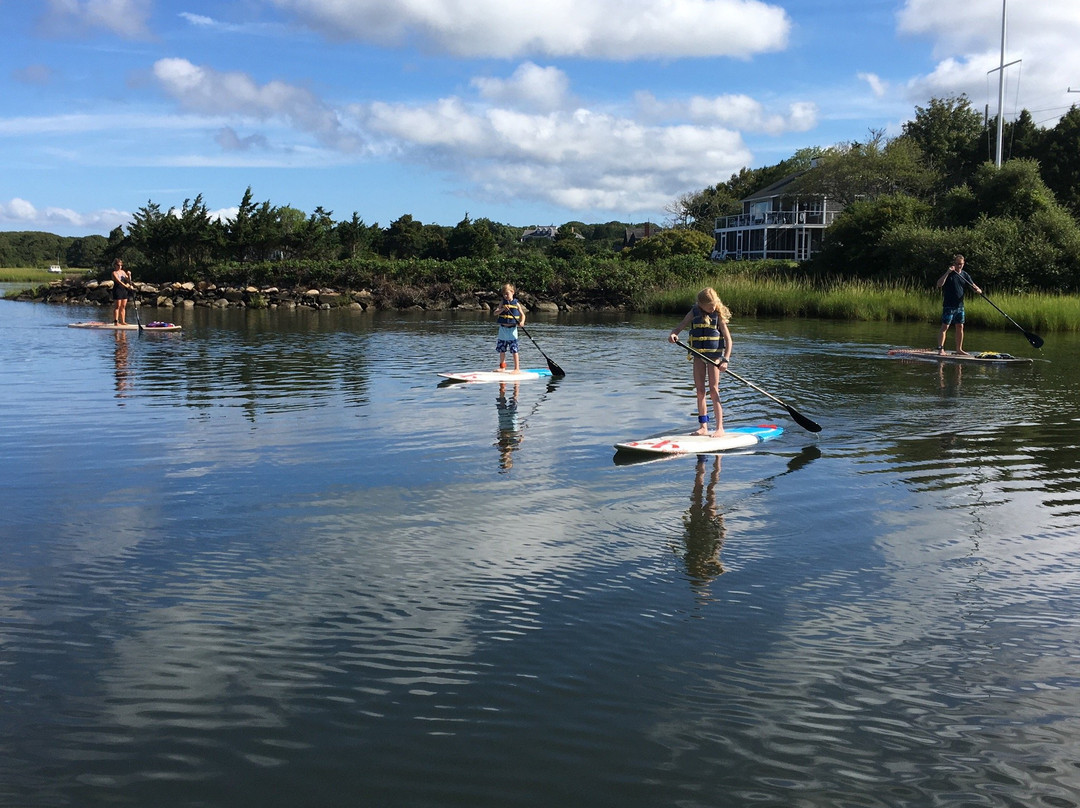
x,y
555,369
802,420
1035,340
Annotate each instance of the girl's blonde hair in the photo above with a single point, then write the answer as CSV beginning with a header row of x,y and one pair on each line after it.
x,y
508,287
708,295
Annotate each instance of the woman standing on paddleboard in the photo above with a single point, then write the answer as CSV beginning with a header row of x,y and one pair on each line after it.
x,y
709,335
121,286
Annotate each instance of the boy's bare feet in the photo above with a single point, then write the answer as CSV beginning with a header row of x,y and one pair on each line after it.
x,y
718,433
701,430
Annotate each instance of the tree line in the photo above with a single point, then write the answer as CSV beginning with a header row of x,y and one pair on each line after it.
x,y
911,201
914,199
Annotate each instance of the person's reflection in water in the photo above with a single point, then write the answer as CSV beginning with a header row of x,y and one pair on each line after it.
x,y
509,429
948,380
120,360
704,535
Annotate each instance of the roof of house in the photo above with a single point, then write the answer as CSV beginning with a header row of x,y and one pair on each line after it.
x,y
776,189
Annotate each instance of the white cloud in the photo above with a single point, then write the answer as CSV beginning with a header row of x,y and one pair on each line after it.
x,y
530,87
206,90
21,213
737,111
230,141
36,74
966,41
580,159
877,86
125,18
601,29
541,150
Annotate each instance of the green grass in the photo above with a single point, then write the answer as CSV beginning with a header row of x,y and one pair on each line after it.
x,y
32,275
866,300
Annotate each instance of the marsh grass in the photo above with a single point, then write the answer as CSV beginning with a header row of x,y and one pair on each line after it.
x,y
29,275
841,299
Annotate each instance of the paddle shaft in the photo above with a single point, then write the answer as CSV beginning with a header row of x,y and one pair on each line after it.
x,y
554,368
1035,340
796,416
135,302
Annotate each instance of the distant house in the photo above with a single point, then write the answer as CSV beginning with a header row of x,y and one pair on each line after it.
x,y
632,235
537,233
549,233
776,223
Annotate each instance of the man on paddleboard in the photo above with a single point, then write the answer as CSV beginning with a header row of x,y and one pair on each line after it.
x,y
952,285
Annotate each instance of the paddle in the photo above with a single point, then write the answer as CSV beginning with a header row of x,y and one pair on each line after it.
x,y
1035,340
555,369
797,416
135,303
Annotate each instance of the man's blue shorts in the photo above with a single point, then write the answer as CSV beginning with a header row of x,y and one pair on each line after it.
x,y
506,346
952,314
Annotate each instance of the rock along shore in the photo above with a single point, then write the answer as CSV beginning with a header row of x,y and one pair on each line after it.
x,y
191,294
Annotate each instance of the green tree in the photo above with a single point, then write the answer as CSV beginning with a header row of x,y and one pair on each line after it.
x,y
1022,138
949,134
354,236
197,238
153,233
317,238
470,240
402,239
855,243
1060,158
867,170
239,231
86,252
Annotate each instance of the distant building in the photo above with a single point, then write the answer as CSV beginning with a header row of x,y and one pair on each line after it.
x,y
632,235
536,233
776,223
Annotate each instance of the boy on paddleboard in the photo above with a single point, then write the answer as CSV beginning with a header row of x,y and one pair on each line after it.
x,y
510,314
709,335
952,285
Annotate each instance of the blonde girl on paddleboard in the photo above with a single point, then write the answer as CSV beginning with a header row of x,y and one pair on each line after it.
x,y
509,314
709,335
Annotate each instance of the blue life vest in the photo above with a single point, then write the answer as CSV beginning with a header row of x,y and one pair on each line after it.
x,y
509,319
705,334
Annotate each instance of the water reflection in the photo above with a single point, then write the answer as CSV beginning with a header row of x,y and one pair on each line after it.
x,y
703,524
949,378
510,433
121,371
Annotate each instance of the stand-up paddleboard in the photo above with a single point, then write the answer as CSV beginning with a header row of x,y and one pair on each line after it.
x,y
978,358
522,375
101,326
738,437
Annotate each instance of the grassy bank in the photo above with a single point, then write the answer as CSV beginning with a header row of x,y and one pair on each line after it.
x,y
864,300
30,275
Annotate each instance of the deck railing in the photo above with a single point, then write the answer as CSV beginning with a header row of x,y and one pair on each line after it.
x,y
777,218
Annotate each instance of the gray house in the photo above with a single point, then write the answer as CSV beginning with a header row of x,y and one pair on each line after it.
x,y
776,223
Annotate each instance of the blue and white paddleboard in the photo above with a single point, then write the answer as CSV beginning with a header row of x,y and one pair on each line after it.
x,y
735,438
522,375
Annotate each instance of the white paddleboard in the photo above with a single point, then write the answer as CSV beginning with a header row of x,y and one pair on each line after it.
x,y
736,438
978,358
499,375
102,326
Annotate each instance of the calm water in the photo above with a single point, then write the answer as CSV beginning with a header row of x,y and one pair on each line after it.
x,y
269,561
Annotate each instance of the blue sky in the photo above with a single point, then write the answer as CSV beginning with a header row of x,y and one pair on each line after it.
x,y
524,113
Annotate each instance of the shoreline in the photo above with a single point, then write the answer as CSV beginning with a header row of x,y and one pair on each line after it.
x,y
388,297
